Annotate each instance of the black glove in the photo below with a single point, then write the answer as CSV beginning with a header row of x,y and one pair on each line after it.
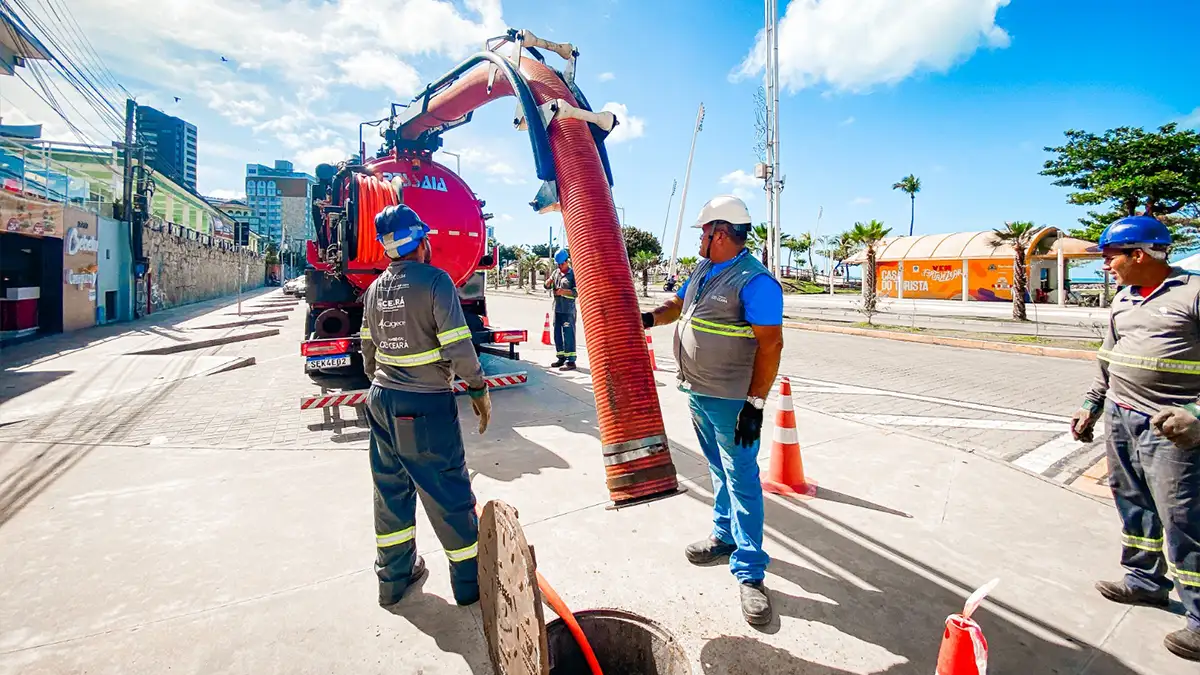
x,y
749,426
647,320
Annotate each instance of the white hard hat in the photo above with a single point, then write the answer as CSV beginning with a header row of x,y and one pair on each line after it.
x,y
724,207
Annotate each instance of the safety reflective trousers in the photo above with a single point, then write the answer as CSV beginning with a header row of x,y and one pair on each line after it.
x,y
1156,486
417,447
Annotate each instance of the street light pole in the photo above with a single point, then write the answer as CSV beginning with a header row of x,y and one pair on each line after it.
x,y
687,177
457,161
663,238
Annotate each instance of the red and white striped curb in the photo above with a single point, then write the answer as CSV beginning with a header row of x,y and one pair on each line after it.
x,y
359,396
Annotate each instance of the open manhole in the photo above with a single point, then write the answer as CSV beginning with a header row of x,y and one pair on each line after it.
x,y
520,642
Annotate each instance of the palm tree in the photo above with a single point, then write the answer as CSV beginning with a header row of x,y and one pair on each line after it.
x,y
869,235
686,265
526,264
642,262
1019,235
806,240
756,240
796,245
912,185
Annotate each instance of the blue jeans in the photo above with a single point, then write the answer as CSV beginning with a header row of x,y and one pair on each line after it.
x,y
1156,486
564,335
417,448
737,492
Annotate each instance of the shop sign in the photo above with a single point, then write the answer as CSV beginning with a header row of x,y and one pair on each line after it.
x,y
29,216
81,242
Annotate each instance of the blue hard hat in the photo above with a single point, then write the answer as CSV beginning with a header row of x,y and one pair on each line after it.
x,y
399,229
561,257
1134,230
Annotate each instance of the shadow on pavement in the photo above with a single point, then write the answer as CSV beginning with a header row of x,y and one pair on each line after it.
x,y
16,384
733,655
842,498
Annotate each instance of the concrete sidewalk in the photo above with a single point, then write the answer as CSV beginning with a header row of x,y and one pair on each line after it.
x,y
70,369
141,559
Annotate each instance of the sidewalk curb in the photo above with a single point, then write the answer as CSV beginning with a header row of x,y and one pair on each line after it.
x,y
947,341
201,344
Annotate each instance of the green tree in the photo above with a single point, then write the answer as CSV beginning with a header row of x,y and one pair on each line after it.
x,y
756,240
639,240
806,240
510,254
838,247
1131,172
911,185
642,262
272,257
796,245
688,264
544,250
526,266
1019,235
869,235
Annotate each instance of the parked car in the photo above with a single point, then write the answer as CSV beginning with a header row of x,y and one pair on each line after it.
x,y
295,287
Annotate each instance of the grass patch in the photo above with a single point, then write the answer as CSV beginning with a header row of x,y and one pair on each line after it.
x,y
893,329
1030,339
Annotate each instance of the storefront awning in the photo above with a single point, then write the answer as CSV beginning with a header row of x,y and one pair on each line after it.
x,y
973,246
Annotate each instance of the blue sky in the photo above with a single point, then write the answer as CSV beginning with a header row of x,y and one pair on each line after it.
x,y
963,93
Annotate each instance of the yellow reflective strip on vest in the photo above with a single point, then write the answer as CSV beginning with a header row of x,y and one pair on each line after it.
x,y
422,359
451,336
365,333
1142,543
394,538
721,328
1184,576
1150,363
464,553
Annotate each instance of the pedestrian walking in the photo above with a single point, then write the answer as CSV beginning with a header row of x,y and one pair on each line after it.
x,y
562,282
1147,391
727,343
415,339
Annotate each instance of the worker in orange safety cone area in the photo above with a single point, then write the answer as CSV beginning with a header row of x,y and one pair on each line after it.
x,y
1150,375
728,343
414,340
562,282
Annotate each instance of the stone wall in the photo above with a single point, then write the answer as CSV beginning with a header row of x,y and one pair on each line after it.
x,y
187,267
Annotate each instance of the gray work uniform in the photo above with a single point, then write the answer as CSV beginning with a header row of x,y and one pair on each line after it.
x,y
414,340
564,314
1150,360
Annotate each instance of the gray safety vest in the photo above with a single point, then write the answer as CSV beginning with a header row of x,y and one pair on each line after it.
x,y
714,344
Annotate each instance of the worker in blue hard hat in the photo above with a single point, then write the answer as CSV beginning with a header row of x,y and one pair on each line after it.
x,y
415,339
1147,392
562,283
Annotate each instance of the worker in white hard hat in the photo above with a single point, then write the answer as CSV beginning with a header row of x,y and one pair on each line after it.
x,y
728,343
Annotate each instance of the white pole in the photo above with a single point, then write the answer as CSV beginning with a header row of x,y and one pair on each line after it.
x,y
775,175
687,177
769,86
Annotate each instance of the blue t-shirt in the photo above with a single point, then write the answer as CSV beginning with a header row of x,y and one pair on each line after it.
x,y
762,298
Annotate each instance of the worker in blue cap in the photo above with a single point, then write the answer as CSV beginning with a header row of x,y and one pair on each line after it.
x,y
1148,393
562,283
415,339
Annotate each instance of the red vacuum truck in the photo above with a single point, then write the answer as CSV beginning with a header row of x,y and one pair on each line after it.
x,y
345,257
566,137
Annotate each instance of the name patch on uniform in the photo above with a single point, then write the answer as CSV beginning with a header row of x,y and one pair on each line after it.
x,y
390,324
395,343
720,298
390,305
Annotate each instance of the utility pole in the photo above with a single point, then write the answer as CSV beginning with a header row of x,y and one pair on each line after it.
x,y
663,238
687,178
776,177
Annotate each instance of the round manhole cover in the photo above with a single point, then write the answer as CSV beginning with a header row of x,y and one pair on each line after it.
x,y
508,595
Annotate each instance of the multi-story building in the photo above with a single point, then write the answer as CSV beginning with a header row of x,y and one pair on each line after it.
x,y
239,211
170,145
281,199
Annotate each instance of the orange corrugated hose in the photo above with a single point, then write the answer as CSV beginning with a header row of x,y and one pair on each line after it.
x,y
373,197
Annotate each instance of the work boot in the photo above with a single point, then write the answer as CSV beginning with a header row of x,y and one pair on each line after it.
x,y
570,366
756,605
558,363
418,573
1184,643
1117,591
707,551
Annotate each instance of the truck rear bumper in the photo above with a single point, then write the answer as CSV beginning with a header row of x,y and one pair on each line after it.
x,y
359,396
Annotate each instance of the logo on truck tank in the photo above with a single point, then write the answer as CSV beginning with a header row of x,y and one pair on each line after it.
x,y
426,182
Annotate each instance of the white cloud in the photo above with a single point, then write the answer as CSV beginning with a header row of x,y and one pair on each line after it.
x,y
628,128
744,185
607,77
1192,120
308,159
226,194
493,164
851,45
369,70
860,201
847,122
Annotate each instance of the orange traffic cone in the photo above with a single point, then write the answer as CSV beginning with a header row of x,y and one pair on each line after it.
x,y
546,331
650,348
964,649
785,475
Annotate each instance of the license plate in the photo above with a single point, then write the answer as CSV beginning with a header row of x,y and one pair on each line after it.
x,y
320,362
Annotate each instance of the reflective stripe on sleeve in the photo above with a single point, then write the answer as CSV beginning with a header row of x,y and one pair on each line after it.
x,y
721,328
1150,363
464,553
395,538
1142,543
408,360
365,332
454,335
